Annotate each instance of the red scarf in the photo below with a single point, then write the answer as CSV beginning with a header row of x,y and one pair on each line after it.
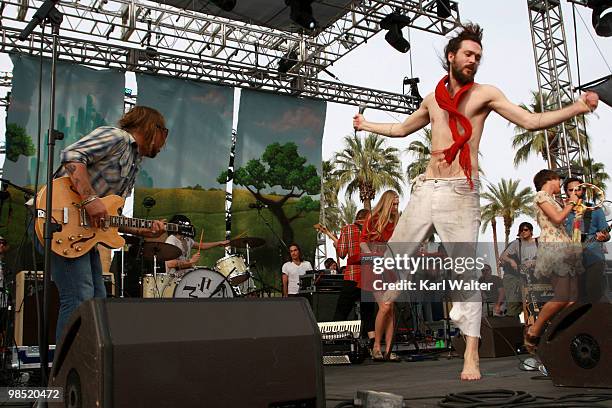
x,y
460,144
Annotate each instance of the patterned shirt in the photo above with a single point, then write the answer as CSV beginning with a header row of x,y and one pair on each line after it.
x,y
112,159
348,244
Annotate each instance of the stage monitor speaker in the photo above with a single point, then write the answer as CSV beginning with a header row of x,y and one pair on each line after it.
x,y
26,320
191,353
324,306
576,348
499,337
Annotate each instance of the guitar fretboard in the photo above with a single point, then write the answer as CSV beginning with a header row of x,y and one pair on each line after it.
x,y
119,221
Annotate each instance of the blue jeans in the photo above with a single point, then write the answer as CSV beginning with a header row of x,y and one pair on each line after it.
x,y
77,280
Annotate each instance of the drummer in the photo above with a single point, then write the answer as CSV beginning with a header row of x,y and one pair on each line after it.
x,y
186,244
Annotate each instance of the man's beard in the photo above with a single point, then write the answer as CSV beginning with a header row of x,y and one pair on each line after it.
x,y
460,76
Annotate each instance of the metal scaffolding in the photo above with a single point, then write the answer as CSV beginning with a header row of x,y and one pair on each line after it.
x,y
555,80
154,38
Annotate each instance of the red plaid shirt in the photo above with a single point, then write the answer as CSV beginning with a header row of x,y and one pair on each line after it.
x,y
348,245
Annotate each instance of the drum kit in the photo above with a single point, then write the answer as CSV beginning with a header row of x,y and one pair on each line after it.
x,y
230,277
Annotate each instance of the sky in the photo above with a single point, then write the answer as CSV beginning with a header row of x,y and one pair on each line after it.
x,y
508,63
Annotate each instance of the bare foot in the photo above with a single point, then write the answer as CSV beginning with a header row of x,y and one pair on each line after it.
x,y
471,367
471,370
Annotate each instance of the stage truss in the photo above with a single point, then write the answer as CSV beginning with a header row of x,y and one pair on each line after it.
x,y
149,37
555,78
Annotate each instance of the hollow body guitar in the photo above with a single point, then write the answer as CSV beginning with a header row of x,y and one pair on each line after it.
x,y
75,236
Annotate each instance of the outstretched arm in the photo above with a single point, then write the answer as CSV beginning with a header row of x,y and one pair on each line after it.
x,y
536,121
418,120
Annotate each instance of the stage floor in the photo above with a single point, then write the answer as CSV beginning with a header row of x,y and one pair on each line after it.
x,y
438,378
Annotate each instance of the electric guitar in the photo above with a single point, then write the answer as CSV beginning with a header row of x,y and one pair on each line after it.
x,y
75,235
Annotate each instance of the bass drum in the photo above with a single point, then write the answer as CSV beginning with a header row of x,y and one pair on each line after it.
x,y
203,283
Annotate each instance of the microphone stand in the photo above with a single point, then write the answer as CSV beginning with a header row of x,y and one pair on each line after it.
x,y
47,13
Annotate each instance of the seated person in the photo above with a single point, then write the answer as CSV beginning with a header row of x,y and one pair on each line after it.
x,y
186,244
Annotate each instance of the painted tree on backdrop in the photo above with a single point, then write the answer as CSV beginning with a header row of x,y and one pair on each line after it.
x,y
280,165
508,202
368,166
18,142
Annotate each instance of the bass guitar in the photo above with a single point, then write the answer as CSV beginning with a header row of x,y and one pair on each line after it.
x,y
75,235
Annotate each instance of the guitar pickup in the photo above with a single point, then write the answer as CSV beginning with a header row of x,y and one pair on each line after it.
x,y
65,215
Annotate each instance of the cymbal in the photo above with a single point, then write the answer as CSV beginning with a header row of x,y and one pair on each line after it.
x,y
163,251
253,242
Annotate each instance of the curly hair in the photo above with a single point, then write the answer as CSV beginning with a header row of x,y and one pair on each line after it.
x,y
471,32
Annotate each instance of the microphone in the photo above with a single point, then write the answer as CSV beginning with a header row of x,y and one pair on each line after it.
x,y
362,108
257,205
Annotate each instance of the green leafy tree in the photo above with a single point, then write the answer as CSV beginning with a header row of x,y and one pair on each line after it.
x,y
280,165
488,214
368,166
508,202
420,150
330,213
348,212
18,142
527,143
600,177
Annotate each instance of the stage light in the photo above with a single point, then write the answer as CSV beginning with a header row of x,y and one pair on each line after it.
x,y
287,62
602,16
414,89
301,13
227,5
394,22
443,8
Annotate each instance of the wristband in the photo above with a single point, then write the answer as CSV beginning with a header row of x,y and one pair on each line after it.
x,y
88,200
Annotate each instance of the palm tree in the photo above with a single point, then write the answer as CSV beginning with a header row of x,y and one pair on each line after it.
x,y
368,166
509,202
527,142
348,212
421,151
488,214
330,216
600,177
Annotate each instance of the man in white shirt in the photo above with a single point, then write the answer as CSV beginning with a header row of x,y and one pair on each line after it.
x,y
292,271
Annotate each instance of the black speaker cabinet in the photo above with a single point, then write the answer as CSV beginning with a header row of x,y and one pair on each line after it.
x,y
26,320
499,337
324,305
576,348
191,353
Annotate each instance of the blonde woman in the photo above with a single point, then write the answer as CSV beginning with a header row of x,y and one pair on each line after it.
x,y
377,230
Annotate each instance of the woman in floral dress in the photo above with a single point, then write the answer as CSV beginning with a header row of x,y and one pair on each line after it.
x,y
558,259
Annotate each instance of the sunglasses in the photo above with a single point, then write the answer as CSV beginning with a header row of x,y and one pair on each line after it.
x,y
573,190
525,229
163,129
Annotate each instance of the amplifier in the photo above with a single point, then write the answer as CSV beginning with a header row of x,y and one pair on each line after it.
x,y
321,282
26,320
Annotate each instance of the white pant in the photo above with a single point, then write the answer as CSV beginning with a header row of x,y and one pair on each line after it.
x,y
452,209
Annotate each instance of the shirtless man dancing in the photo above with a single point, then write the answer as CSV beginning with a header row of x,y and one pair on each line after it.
x,y
446,197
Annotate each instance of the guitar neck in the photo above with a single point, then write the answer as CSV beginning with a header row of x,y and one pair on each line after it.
x,y
118,221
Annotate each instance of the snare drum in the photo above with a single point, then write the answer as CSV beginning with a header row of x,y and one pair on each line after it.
x,y
203,283
234,267
161,286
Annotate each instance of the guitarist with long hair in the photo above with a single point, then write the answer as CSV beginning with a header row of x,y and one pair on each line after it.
x,y
592,226
104,162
